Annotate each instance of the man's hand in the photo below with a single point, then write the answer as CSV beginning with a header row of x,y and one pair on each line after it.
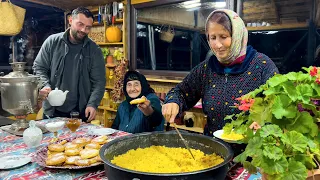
x,y
44,92
90,113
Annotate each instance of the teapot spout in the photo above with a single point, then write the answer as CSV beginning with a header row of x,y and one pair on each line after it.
x,y
65,92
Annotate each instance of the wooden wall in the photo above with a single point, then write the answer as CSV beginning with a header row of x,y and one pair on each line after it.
x,y
276,11
171,16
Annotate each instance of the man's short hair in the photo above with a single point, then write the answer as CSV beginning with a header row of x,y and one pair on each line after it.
x,y
82,10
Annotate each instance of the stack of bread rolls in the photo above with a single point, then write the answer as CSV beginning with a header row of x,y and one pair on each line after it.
x,y
82,151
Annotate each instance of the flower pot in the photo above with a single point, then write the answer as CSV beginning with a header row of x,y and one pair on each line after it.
x,y
316,175
110,61
309,177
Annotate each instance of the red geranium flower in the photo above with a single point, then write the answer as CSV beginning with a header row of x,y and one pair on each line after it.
x,y
245,104
314,71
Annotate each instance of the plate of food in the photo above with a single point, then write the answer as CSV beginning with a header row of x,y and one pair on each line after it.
x,y
102,131
73,153
230,138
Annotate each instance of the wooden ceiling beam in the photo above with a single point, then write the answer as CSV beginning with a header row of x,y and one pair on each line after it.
x,y
275,10
42,3
71,4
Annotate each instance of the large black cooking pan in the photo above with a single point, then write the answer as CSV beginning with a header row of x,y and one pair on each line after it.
x,y
206,144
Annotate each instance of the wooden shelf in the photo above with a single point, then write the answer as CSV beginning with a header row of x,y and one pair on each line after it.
x,y
109,44
109,87
107,108
278,27
164,80
194,129
97,24
118,21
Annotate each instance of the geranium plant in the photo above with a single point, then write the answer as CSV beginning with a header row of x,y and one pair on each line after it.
x,y
287,144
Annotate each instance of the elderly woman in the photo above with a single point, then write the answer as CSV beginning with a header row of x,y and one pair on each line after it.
x,y
232,70
144,117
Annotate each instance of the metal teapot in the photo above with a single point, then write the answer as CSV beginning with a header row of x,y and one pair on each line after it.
x,y
57,97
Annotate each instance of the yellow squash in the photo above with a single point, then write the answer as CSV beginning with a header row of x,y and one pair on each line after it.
x,y
113,34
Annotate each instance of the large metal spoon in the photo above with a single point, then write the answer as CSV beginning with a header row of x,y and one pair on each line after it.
x,y
183,140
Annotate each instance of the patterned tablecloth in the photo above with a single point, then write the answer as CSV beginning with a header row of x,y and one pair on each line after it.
x,y
14,145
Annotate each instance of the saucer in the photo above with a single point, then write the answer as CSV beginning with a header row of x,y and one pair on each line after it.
x,y
13,161
103,131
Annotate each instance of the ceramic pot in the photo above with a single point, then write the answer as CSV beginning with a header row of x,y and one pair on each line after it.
x,y
110,61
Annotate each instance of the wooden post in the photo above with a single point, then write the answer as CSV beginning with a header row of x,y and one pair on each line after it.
x,y
239,7
311,36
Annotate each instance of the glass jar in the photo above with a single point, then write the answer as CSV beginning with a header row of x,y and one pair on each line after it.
x,y
32,136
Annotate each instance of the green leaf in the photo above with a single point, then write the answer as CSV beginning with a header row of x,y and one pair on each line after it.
x,y
276,80
260,112
272,152
251,168
305,91
303,77
269,141
275,177
270,91
296,171
241,157
242,129
295,140
271,167
272,129
316,88
253,145
313,146
238,121
306,160
282,107
292,76
229,117
308,69
290,90
257,159
304,124
227,128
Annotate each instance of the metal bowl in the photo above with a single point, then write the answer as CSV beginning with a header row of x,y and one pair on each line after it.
x,y
169,139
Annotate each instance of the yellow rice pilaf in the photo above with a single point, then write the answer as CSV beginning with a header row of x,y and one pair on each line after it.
x,y
161,159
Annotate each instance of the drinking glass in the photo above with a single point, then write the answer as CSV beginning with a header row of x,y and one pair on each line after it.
x,y
54,127
73,122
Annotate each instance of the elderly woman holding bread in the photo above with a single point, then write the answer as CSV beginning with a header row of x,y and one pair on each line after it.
x,y
141,111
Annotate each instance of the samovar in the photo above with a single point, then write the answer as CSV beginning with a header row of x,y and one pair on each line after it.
x,y
19,94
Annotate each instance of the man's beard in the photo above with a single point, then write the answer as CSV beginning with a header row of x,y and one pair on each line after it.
x,y
75,34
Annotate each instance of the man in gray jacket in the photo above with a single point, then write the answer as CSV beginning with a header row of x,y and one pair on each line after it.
x,y
71,61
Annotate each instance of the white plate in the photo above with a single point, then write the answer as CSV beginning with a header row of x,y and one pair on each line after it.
x,y
103,131
14,161
219,133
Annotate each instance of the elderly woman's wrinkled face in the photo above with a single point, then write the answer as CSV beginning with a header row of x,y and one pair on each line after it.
x,y
219,40
133,88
